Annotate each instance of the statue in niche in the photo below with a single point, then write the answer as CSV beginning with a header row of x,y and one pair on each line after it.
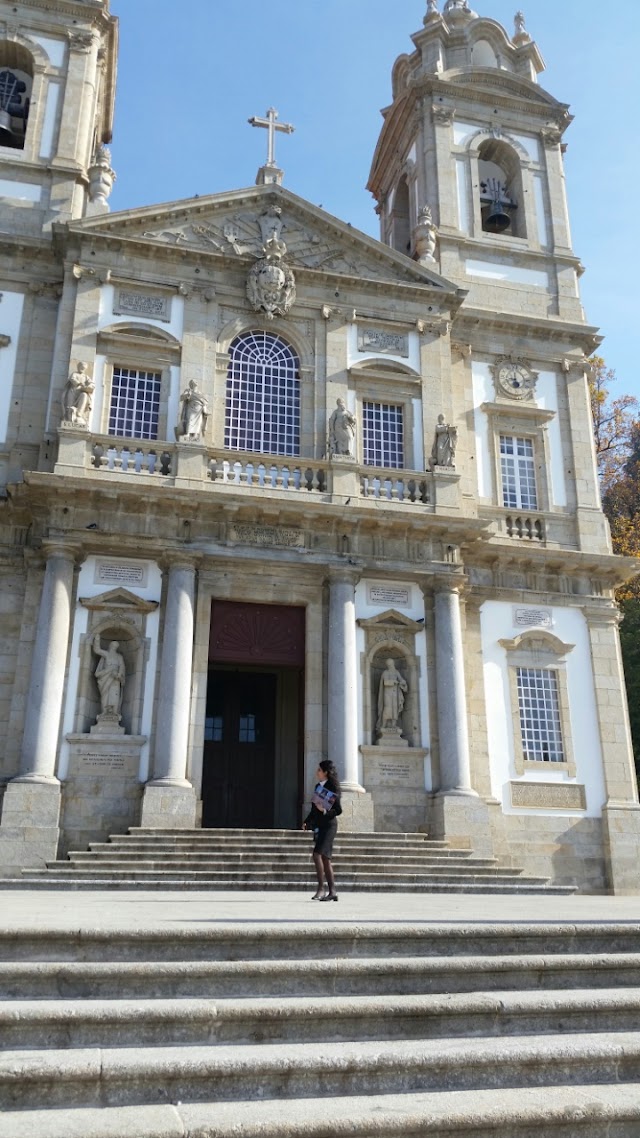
x,y
443,452
194,412
76,397
391,694
110,675
342,430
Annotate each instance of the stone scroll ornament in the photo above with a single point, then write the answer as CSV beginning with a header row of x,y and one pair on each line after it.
x,y
271,285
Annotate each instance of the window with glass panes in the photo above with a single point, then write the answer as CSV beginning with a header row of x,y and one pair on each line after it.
x,y
382,435
539,708
263,395
135,403
517,462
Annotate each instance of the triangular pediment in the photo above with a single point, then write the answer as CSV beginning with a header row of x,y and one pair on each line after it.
x,y
236,225
118,600
389,620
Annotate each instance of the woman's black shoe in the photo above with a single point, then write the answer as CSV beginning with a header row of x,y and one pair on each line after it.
x,y
329,897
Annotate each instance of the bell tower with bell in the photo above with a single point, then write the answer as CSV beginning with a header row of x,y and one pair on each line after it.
x,y
472,135
57,87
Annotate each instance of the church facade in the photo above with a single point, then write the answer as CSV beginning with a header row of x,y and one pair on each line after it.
x,y
274,491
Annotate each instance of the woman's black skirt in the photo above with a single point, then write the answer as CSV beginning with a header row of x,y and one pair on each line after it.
x,y
325,836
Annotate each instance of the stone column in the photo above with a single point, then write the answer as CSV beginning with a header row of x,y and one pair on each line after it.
x,y
29,829
343,701
621,812
169,800
458,814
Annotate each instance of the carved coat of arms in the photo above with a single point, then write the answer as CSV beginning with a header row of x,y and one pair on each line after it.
x,y
271,284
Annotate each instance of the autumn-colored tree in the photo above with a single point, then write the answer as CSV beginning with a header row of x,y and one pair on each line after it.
x,y
613,423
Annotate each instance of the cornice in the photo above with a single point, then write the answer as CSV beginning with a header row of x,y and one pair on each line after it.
x,y
469,321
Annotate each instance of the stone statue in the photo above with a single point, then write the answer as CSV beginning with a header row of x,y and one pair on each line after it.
x,y
432,7
391,693
194,411
520,23
76,397
425,236
443,452
342,430
110,676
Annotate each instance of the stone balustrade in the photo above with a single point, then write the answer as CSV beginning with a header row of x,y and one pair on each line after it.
x,y
273,474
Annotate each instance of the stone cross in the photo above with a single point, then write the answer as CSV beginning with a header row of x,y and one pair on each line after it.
x,y
271,124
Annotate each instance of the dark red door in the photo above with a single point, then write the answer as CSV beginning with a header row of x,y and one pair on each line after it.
x,y
239,751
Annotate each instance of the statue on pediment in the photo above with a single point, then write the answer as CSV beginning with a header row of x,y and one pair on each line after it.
x,y
194,412
342,430
77,397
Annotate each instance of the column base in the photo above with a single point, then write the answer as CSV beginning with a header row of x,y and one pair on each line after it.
x,y
357,811
621,842
463,820
168,805
30,824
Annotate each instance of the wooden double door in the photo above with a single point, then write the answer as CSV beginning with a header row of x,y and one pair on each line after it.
x,y
242,776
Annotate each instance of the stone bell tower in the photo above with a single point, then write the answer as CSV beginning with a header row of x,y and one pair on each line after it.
x,y
57,88
468,174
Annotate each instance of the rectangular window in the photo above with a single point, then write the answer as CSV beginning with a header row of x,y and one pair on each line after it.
x,y
135,403
540,715
383,435
518,473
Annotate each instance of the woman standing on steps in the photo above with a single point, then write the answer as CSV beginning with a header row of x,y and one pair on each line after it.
x,y
323,820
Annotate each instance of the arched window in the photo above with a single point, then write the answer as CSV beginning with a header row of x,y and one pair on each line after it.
x,y
263,395
16,81
401,219
483,55
501,203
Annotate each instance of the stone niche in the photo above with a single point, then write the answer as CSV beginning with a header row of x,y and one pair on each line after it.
x,y
102,789
393,755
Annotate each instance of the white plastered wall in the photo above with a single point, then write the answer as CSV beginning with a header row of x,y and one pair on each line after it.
x,y
415,610
570,626
11,306
89,586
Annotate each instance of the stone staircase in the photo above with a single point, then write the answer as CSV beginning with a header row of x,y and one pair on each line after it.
x,y
277,860
321,1031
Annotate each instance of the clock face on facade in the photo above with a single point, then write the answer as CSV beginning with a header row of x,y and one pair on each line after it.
x,y
515,379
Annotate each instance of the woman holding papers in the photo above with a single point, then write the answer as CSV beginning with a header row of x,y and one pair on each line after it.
x,y
323,820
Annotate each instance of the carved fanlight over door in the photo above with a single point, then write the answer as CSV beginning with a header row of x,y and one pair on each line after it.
x,y
257,634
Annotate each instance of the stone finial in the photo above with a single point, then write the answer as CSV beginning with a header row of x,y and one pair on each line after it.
x,y
458,10
521,34
432,11
101,179
425,236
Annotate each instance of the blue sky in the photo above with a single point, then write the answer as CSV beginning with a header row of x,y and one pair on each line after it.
x,y
191,74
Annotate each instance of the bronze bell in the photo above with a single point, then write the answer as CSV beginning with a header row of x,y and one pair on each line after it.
x,y
498,220
6,130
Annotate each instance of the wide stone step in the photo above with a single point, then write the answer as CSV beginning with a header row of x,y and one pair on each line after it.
x,y
589,1111
410,975
283,867
68,878
334,942
294,858
132,1076
320,1019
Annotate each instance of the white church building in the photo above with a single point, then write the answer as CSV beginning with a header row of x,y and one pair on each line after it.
x,y
273,491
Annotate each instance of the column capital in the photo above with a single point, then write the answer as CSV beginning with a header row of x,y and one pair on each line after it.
x,y
179,560
346,575
58,547
449,583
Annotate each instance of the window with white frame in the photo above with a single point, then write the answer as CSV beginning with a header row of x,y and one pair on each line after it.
x,y
517,462
135,403
383,435
263,395
540,720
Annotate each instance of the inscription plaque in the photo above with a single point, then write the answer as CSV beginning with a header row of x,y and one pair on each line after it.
x,y
388,596
114,573
128,302
532,618
548,796
268,535
383,343
99,763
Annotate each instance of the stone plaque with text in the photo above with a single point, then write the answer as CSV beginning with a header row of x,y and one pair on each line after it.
x,y
548,796
117,573
532,618
388,596
268,535
383,343
130,302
